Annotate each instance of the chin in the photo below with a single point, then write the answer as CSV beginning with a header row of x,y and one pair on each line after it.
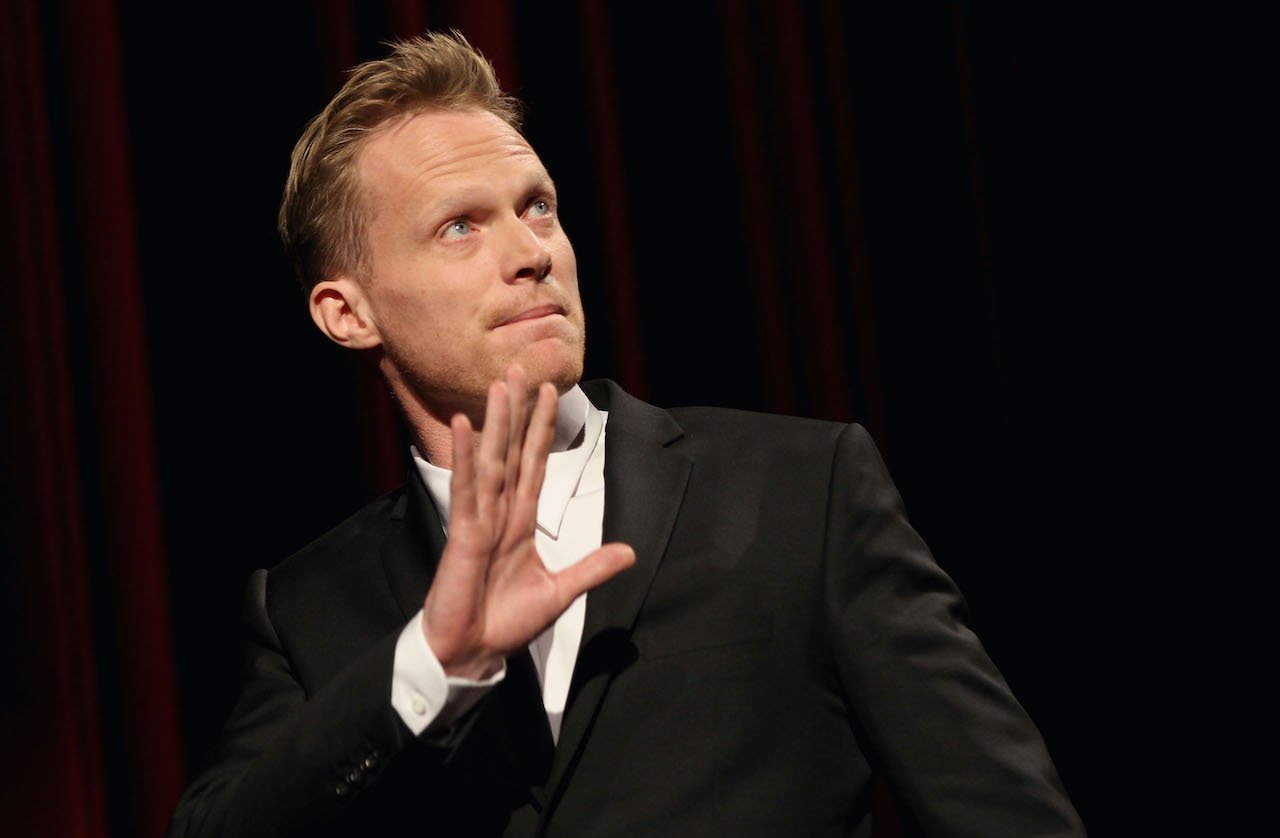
x,y
566,382
565,377
562,368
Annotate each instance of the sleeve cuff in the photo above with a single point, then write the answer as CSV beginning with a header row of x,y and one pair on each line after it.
x,y
424,697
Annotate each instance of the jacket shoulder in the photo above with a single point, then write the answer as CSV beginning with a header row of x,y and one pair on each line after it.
x,y
733,418
712,426
333,598
370,522
745,430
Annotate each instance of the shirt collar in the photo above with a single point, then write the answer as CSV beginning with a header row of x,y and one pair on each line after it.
x,y
578,427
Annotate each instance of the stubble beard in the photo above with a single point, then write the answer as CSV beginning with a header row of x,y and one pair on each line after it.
x,y
464,389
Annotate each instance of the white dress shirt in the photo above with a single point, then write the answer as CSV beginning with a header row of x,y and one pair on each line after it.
x,y
570,521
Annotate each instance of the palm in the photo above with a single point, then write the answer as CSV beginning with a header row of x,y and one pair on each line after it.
x,y
492,594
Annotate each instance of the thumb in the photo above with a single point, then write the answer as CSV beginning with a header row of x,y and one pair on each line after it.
x,y
596,569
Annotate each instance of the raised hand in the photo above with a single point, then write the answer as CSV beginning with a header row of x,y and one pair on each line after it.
x,y
491,593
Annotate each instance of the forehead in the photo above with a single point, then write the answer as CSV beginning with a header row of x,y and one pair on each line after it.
x,y
435,148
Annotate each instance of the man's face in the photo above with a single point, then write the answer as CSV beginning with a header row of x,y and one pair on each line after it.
x,y
470,269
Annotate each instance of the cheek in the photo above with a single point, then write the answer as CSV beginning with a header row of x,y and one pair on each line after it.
x,y
430,299
565,267
413,312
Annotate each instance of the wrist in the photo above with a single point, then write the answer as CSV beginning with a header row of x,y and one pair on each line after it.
x,y
463,663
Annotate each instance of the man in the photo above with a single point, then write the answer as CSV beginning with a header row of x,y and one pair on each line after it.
x,y
763,630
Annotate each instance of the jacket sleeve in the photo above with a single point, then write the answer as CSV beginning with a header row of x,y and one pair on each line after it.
x,y
944,727
290,763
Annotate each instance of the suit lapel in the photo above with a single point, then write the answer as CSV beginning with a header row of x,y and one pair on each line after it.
x,y
411,551
644,486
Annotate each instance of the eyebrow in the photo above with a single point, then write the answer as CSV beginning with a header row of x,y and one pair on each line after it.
x,y
542,183
457,203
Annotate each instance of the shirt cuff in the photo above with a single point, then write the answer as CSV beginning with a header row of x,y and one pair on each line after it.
x,y
421,693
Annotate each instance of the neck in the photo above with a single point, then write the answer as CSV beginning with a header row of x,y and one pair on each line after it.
x,y
435,443
429,419
429,413
430,426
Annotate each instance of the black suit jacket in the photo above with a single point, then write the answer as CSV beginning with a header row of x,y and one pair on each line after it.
x,y
784,635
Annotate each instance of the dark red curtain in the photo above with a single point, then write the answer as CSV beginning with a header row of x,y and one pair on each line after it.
x,y
862,214
93,599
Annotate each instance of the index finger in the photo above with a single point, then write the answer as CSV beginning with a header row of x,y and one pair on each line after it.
x,y
491,458
462,482
533,461
518,403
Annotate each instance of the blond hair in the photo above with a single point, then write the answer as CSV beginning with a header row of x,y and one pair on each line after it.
x,y
322,216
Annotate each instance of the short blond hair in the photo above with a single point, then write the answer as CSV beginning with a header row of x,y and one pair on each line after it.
x,y
322,215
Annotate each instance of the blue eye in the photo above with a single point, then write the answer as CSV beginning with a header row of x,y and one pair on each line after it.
x,y
458,228
540,207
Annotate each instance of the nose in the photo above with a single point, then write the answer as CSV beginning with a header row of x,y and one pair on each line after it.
x,y
528,257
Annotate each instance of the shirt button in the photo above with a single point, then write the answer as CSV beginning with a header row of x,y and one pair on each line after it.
x,y
341,789
370,762
419,707
356,777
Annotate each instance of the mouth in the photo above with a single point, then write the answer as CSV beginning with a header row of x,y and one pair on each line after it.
x,y
534,313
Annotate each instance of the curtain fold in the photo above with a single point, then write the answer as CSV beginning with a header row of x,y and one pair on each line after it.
x,y
81,424
54,776
119,373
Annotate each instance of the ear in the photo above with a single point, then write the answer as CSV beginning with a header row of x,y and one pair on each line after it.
x,y
340,309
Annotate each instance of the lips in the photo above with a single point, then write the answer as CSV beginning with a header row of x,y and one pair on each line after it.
x,y
544,310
